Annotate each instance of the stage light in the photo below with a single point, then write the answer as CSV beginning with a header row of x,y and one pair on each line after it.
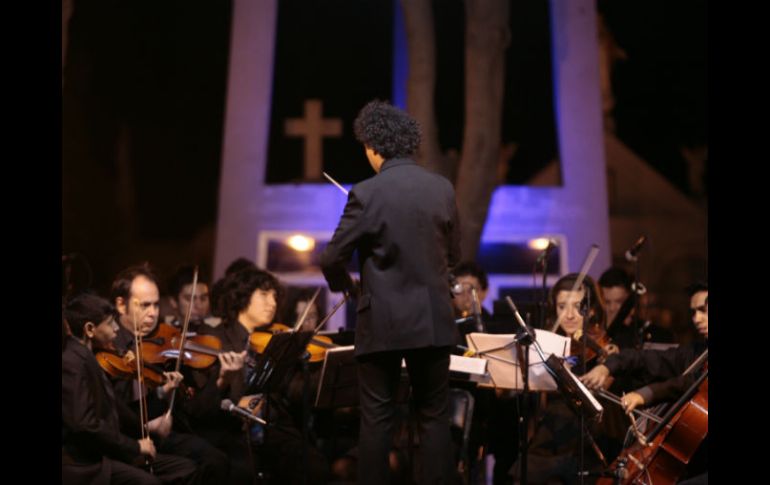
x,y
301,243
538,244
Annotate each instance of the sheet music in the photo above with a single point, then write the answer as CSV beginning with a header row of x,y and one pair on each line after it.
x,y
475,369
598,407
503,364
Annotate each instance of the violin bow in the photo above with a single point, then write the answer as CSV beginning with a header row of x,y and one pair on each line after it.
x,y
331,179
617,400
304,315
183,337
697,362
143,415
341,302
590,257
334,310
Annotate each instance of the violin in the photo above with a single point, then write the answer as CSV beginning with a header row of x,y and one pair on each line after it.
x,y
201,351
598,344
317,347
124,367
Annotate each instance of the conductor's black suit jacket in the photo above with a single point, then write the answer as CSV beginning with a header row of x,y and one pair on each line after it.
x,y
403,222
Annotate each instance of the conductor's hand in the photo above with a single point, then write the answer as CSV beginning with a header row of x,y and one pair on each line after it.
x,y
596,378
354,288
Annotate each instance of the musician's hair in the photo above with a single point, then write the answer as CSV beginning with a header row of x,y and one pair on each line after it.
x,y
288,312
471,268
696,287
85,308
237,288
121,286
615,276
388,130
184,276
565,283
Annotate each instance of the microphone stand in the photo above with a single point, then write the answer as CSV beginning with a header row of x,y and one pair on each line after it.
x,y
639,289
544,295
525,339
585,311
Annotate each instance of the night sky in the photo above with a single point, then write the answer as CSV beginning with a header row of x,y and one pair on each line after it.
x,y
155,73
661,89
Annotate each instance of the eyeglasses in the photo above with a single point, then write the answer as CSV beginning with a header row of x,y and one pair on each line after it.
x,y
459,288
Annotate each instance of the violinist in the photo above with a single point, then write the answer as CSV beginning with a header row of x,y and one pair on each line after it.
x,y
555,447
217,307
180,289
663,369
630,331
626,330
250,298
94,450
296,303
137,299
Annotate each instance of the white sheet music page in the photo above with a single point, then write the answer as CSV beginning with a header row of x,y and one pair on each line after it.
x,y
503,364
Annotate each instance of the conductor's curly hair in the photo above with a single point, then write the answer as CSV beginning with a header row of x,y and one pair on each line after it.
x,y
388,130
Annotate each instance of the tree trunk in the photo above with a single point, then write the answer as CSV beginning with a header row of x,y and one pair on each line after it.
x,y
486,39
66,13
421,41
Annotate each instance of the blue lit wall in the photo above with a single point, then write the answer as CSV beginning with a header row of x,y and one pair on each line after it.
x,y
577,211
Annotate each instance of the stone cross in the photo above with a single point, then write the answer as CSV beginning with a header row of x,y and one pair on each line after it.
x,y
313,127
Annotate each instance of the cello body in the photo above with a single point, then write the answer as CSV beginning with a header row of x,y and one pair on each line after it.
x,y
664,459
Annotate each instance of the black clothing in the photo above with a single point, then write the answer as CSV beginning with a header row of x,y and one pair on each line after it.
x,y
628,336
661,369
213,465
93,448
403,223
279,450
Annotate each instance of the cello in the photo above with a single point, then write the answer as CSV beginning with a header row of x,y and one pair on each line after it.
x,y
661,456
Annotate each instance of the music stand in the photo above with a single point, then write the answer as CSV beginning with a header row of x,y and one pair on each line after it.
x,y
503,364
338,386
505,354
272,366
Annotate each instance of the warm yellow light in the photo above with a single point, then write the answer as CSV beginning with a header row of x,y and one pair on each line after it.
x,y
538,244
301,243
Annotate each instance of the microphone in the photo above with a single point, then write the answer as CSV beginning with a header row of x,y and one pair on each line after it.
x,y
227,405
634,250
544,254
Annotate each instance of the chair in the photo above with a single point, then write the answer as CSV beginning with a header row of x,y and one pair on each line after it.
x,y
461,404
